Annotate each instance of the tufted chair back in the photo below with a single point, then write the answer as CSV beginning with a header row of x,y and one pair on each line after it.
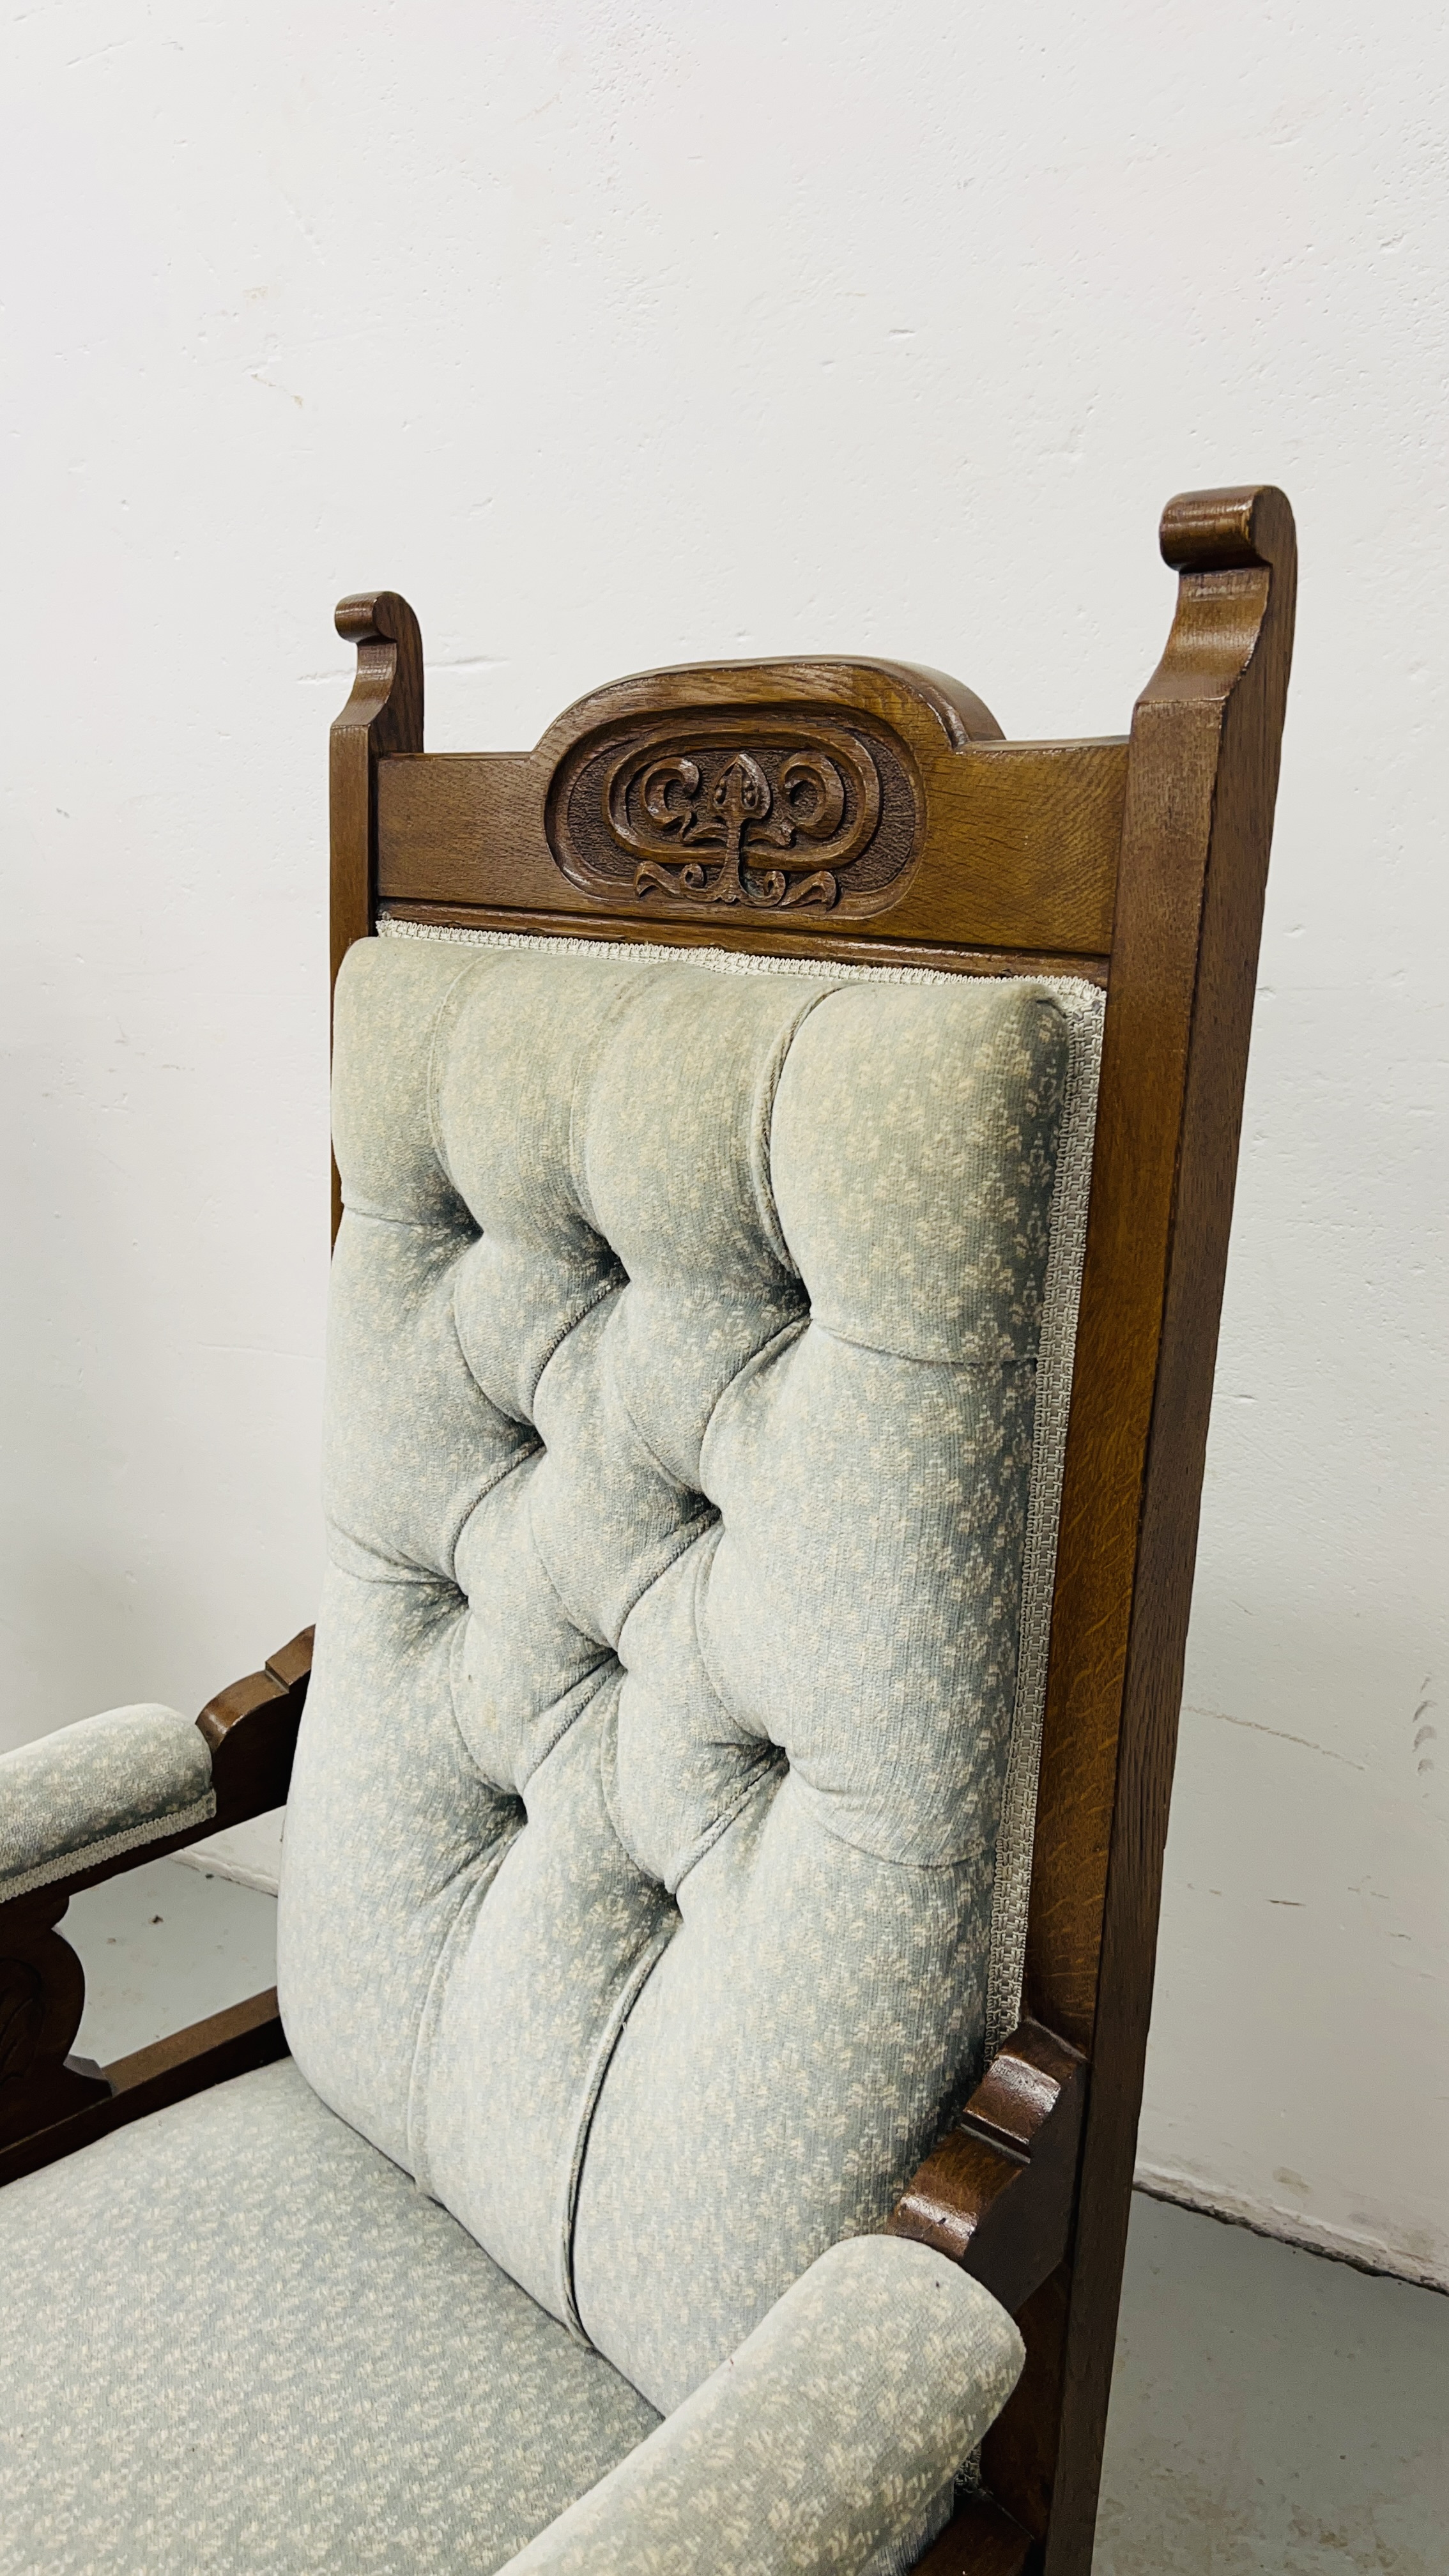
x,y
644,1829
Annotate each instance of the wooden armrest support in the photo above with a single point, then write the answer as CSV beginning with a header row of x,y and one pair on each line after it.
x,y
50,2101
190,2061
996,2195
980,2540
252,1731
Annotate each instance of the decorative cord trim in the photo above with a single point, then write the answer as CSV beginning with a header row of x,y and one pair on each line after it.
x,y
157,1829
719,961
1056,1355
1083,1006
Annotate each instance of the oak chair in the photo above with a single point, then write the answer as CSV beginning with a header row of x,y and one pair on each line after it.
x,y
995,998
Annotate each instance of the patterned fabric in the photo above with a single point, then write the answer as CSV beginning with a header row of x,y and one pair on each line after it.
x,y
830,2440
106,1785
637,1885
1084,1006
235,2338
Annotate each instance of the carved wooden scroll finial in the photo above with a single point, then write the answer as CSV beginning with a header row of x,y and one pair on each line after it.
x,y
1235,554
997,2194
389,666
1226,531
383,715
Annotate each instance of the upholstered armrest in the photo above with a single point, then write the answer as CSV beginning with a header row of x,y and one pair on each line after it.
x,y
829,2440
92,1799
89,1792
89,1799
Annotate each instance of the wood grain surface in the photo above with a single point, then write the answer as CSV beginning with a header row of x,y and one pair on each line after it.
x,y
998,2195
190,2061
981,2540
1018,851
383,715
647,813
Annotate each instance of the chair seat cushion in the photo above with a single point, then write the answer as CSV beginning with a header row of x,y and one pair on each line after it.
x,y
236,2337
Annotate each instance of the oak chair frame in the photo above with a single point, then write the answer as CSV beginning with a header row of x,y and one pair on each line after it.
x,y
1137,862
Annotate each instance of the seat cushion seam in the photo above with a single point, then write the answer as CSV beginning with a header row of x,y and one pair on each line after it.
x,y
470,1905
791,1331
772,1762
605,1288
686,1537
436,1225
602,1675
868,1851
547,1572
400,1570
435,1127
707,1668
680,1486
983,1370
589,2097
762,1182
588,1065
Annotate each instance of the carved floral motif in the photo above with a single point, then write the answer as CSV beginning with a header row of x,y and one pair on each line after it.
x,y
764,809
771,839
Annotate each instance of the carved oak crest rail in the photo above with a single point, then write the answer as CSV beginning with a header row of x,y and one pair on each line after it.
x,y
814,807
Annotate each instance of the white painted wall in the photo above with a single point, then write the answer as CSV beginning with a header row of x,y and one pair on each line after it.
x,y
621,334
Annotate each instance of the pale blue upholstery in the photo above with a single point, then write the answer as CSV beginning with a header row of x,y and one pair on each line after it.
x,y
235,2338
639,1858
829,2440
643,1862
106,1785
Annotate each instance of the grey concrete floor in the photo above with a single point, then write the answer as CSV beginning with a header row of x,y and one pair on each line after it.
x,y
163,1946
1273,2413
